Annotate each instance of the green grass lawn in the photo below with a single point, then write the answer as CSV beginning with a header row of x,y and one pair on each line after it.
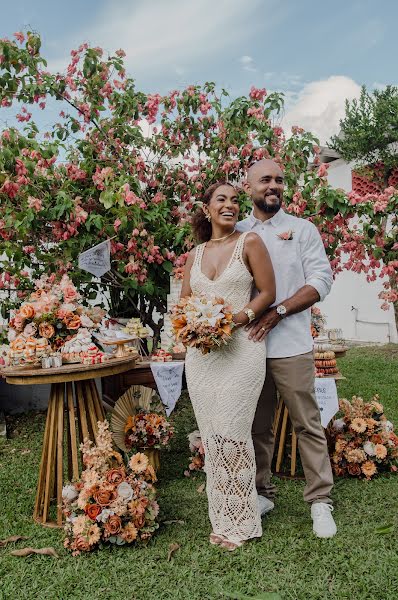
x,y
358,564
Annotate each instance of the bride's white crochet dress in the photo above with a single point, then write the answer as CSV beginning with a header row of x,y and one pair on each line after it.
x,y
224,386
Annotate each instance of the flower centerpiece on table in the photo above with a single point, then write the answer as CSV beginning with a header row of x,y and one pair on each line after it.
x,y
147,430
197,458
363,440
112,502
202,322
318,321
52,316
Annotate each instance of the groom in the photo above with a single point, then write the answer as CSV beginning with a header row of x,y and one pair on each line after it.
x,y
303,277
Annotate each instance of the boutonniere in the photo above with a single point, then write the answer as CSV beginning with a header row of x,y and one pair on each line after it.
x,y
286,235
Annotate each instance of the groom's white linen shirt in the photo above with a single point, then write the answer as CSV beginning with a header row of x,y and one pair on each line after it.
x,y
297,262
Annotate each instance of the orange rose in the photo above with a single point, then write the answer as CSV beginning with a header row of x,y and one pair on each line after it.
x,y
72,322
92,511
46,330
113,525
27,311
116,476
104,497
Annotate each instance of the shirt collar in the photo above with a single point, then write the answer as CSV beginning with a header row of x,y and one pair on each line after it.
x,y
275,221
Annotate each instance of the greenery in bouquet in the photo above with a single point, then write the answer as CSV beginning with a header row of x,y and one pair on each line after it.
x,y
363,440
202,322
51,316
147,430
197,458
112,503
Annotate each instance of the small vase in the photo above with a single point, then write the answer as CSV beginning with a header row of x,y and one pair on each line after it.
x,y
153,455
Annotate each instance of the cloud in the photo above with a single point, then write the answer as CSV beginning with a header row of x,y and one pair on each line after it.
x,y
158,35
320,105
247,63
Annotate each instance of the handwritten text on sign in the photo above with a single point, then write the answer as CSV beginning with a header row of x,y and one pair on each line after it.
x,y
168,378
326,395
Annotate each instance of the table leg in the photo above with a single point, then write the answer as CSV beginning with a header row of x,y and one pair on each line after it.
x,y
51,472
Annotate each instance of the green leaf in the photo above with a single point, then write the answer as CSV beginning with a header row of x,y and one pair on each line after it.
x,y
168,266
385,529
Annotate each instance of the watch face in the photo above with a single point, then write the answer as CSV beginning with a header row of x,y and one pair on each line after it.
x,y
281,310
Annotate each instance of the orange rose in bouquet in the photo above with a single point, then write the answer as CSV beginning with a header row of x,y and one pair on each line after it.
x,y
202,322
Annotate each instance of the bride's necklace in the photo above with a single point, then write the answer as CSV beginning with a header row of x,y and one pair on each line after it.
x,y
225,237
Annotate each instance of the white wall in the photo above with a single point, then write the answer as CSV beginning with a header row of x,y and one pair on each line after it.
x,y
352,290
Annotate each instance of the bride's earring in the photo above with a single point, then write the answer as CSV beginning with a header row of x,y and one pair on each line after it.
x,y
208,217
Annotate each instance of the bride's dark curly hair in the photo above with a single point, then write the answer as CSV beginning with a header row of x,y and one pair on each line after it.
x,y
200,225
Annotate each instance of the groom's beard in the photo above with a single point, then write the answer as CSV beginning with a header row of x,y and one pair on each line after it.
x,y
268,207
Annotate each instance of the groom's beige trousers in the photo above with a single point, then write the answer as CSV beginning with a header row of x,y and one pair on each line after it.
x,y
293,378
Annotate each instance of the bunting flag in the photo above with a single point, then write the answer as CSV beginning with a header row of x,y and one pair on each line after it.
x,y
96,260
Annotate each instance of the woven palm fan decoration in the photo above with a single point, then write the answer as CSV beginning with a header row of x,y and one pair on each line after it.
x,y
137,397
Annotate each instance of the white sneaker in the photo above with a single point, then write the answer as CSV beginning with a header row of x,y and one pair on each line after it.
x,y
323,522
265,505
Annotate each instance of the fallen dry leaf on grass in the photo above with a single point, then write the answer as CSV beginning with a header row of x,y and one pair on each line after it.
x,y
201,488
13,538
28,551
172,550
174,521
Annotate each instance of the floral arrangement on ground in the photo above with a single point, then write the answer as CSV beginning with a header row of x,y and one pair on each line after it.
x,y
197,458
363,440
147,430
113,502
202,322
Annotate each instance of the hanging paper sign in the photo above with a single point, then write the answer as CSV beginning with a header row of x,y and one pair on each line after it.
x,y
168,378
326,395
96,260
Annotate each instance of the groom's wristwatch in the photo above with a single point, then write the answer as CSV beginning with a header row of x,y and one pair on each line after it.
x,y
281,311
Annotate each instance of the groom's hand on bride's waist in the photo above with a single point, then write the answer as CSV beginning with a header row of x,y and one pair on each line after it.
x,y
262,326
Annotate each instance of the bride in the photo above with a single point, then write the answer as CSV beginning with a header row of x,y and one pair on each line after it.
x,y
225,384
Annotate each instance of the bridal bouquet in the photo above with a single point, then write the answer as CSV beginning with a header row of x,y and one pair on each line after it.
x,y
364,442
111,503
202,322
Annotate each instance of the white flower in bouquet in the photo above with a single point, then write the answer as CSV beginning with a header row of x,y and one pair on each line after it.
x,y
30,330
69,493
369,448
338,424
125,491
104,515
86,321
205,311
388,426
11,335
195,440
68,306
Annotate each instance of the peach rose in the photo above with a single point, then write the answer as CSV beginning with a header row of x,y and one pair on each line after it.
x,y
17,344
81,544
113,525
18,322
27,311
104,497
46,330
92,511
116,476
70,293
72,322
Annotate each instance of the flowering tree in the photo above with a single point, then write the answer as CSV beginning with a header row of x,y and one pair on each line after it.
x,y
130,166
369,139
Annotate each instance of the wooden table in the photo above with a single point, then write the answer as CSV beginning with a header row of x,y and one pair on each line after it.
x,y
73,394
